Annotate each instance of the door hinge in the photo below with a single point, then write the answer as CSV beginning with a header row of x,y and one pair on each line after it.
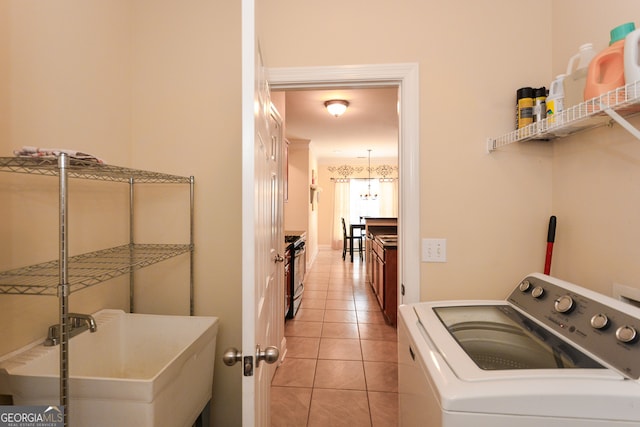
x,y
402,289
248,366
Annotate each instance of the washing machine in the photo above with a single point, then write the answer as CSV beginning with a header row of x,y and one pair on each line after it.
x,y
552,354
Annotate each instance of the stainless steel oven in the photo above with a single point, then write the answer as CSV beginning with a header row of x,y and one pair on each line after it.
x,y
296,269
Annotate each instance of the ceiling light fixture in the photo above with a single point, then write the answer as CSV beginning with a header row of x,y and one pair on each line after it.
x,y
336,107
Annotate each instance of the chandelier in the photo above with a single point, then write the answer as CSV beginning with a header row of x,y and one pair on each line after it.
x,y
368,195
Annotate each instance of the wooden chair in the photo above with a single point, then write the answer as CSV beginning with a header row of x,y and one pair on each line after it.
x,y
348,242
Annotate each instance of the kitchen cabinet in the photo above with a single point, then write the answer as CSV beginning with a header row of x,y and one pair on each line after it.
x,y
383,261
377,226
616,105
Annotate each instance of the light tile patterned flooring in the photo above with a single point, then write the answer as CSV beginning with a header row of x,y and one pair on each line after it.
x,y
341,365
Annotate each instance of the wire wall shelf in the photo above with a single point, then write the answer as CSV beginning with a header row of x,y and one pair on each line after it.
x,y
85,169
615,105
87,269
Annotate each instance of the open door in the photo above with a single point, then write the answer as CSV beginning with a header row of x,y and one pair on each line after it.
x,y
262,233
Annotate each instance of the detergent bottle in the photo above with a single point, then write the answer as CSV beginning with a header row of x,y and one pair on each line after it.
x,y
632,62
606,70
576,77
555,100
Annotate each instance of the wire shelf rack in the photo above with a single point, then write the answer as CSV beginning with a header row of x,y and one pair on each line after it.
x,y
617,104
86,169
87,269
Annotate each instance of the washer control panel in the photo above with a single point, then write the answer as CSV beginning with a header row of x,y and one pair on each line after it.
x,y
599,324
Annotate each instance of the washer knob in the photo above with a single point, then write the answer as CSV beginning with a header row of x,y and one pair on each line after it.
x,y
537,292
524,286
564,304
600,321
626,334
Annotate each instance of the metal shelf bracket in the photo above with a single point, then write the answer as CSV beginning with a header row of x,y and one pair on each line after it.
x,y
622,122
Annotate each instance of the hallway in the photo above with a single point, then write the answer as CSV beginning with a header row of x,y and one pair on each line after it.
x,y
341,363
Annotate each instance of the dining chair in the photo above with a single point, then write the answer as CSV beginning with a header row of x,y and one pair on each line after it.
x,y
348,242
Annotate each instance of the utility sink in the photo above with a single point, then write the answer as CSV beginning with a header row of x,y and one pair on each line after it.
x,y
135,370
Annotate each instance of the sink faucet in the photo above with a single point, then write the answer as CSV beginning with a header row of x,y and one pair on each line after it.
x,y
77,323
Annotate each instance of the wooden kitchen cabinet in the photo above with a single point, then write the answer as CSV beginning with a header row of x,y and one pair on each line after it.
x,y
383,265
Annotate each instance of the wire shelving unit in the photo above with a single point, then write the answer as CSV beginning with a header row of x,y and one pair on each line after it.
x,y
67,274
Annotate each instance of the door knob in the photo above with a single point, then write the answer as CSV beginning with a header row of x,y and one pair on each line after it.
x,y
279,258
269,355
231,356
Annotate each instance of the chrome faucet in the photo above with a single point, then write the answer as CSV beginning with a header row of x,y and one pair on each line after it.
x,y
78,323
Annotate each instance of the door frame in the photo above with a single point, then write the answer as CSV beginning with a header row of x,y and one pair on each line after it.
x,y
406,77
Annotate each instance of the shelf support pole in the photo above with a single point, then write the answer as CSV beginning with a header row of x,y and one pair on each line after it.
x,y
191,245
131,246
63,287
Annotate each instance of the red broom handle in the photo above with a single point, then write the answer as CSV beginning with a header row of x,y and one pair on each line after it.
x,y
551,237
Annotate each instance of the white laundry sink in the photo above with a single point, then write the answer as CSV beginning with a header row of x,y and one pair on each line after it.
x,y
135,370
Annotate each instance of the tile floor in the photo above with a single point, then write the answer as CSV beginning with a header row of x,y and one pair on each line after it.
x,y
341,365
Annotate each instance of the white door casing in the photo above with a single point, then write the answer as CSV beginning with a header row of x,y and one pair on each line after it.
x,y
406,76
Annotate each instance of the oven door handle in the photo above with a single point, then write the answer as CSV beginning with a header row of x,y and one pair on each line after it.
x,y
299,291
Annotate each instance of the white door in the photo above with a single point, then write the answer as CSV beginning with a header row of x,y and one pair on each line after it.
x,y
262,235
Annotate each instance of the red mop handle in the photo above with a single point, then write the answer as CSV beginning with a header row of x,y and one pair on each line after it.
x,y
551,237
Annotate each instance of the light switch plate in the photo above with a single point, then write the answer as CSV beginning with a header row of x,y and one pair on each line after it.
x,y
434,250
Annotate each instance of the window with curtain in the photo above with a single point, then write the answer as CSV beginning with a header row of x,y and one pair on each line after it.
x,y
349,204
384,205
359,206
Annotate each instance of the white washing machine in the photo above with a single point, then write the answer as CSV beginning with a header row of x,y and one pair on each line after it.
x,y
553,354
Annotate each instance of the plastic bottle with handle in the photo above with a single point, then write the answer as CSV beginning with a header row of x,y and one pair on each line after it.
x,y
632,62
576,76
606,70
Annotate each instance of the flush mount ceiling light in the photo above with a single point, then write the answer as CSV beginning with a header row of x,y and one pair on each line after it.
x,y
336,107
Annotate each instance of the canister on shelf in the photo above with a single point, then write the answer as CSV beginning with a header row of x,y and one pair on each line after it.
x,y
539,104
524,97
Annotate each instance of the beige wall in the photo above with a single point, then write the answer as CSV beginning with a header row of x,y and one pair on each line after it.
x,y
296,209
493,209
149,84
156,84
469,71
66,83
299,215
595,174
186,111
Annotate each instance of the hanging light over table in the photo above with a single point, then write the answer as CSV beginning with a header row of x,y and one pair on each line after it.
x,y
368,195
